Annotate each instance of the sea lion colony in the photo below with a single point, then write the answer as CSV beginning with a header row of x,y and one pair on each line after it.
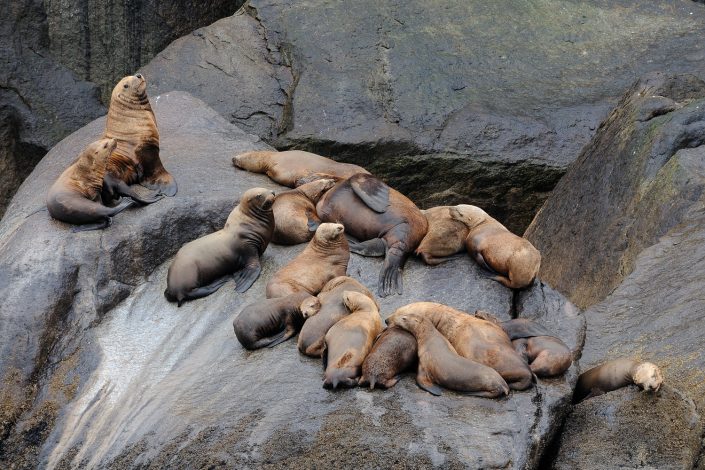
x,y
338,208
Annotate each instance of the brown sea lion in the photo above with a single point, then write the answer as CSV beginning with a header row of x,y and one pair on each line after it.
x,y
393,352
547,355
203,265
269,322
136,159
385,222
475,339
293,168
295,215
324,311
616,374
326,256
439,363
512,259
349,341
445,236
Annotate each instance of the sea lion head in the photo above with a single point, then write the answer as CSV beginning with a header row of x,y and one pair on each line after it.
x,y
132,88
328,233
258,199
648,376
407,321
98,152
358,301
310,306
469,215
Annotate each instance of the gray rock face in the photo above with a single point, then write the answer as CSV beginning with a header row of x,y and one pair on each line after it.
x,y
99,370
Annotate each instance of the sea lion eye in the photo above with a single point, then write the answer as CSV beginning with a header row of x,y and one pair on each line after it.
x,y
125,85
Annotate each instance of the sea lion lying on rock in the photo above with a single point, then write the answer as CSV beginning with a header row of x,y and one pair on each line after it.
x,y
445,236
393,352
547,355
295,215
616,374
269,322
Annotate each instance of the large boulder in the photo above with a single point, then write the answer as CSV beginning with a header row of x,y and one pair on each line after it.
x,y
100,371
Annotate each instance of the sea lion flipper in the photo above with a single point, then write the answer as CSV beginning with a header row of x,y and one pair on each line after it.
x,y
247,275
204,291
373,192
117,186
280,338
390,280
155,175
88,227
372,247
311,223
429,386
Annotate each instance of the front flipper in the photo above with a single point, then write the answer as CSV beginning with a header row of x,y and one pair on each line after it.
x,y
88,227
311,222
204,291
121,188
390,279
247,275
155,175
281,337
373,247
373,192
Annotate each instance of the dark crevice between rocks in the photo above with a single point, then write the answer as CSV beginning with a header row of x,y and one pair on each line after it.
x,y
547,460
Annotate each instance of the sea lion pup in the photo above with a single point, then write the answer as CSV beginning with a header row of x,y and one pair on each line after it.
x,y
326,256
349,341
475,339
295,215
203,265
393,352
293,168
547,355
385,222
440,364
445,237
269,322
513,259
324,311
73,198
136,159
616,374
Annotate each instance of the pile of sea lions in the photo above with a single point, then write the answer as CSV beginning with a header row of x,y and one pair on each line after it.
x,y
337,208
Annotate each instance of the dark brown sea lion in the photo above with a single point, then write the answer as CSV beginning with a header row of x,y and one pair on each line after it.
x,y
547,355
324,311
439,363
326,256
269,322
295,215
616,374
445,236
384,221
513,259
349,341
293,168
136,159
475,339
393,352
203,265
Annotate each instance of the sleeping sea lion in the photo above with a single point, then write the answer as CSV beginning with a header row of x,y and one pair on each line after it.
x,y
547,355
445,236
616,374
295,215
393,352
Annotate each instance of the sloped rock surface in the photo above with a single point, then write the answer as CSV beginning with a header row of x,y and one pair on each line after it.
x,y
104,372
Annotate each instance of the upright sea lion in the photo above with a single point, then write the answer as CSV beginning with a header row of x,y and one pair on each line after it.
x,y
384,221
326,256
445,236
475,339
74,196
349,341
393,352
293,168
324,311
203,265
547,355
513,259
269,322
136,159
295,215
616,374
439,363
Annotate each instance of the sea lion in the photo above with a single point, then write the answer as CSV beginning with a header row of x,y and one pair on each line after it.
x,y
512,259
73,198
203,265
547,355
326,256
393,352
385,222
295,215
269,322
293,168
475,339
445,236
136,159
439,363
616,374
324,311
349,341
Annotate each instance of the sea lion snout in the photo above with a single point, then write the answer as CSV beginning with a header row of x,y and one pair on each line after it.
x,y
139,75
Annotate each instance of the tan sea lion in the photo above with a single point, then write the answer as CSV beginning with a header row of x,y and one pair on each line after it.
x,y
393,352
326,256
513,259
616,374
295,215
547,355
203,265
136,159
475,339
324,311
445,236
269,322
293,168
384,221
439,363
349,341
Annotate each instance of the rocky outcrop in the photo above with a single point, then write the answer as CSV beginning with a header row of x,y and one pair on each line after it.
x,y
99,370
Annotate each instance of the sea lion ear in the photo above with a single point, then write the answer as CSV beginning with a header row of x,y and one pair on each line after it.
x,y
373,192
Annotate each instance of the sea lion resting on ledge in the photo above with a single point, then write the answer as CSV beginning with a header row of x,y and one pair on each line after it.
x,y
393,352
295,215
617,374
445,236
547,355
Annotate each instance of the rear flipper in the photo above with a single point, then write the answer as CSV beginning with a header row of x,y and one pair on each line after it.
x,y
390,279
113,186
204,291
425,383
88,227
164,184
247,275
275,339
373,247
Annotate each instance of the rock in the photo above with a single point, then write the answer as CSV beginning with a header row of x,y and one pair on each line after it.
x,y
99,370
